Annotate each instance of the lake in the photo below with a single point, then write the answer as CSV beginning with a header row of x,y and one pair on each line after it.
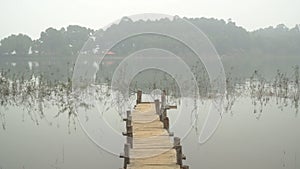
x,y
241,141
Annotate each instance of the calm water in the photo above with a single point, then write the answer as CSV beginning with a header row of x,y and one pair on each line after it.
x,y
241,142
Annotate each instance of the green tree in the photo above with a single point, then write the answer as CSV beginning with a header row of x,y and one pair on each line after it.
x,y
76,36
53,42
15,44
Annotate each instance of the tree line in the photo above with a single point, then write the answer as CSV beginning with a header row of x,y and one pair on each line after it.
x,y
227,37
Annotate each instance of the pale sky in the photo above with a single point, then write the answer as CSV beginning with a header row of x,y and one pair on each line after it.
x,y
33,16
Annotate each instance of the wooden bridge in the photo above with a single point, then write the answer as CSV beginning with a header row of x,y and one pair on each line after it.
x,y
149,142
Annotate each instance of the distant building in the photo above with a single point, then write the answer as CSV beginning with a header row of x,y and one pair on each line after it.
x,y
110,53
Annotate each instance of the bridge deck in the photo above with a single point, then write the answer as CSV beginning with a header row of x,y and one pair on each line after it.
x,y
152,146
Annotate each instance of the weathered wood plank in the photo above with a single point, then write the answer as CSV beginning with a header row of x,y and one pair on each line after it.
x,y
165,158
173,166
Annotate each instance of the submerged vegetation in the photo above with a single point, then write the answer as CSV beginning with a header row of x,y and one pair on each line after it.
x,y
37,93
283,88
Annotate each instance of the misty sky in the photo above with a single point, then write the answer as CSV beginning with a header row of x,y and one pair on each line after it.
x,y
33,16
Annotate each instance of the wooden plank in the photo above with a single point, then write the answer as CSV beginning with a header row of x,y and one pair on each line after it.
x,y
173,166
155,123
168,157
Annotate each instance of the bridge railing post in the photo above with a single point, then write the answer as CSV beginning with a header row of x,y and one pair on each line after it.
x,y
130,136
128,118
139,97
157,106
129,130
180,156
163,100
178,149
128,112
166,123
126,156
163,111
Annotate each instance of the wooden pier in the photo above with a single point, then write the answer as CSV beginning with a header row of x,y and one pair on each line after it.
x,y
149,143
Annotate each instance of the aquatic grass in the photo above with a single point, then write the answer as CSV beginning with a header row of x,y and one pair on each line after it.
x,y
37,93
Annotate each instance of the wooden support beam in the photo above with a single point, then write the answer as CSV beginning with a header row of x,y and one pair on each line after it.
x,y
170,107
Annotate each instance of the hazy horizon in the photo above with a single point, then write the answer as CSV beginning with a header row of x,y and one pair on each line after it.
x,y
32,17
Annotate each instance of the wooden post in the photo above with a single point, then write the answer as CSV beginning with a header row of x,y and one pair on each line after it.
x,y
157,106
139,97
163,105
179,155
129,131
128,112
176,141
163,111
130,136
129,121
163,100
126,155
128,118
166,123
178,149
163,115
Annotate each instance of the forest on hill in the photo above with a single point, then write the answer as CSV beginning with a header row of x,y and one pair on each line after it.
x,y
265,49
